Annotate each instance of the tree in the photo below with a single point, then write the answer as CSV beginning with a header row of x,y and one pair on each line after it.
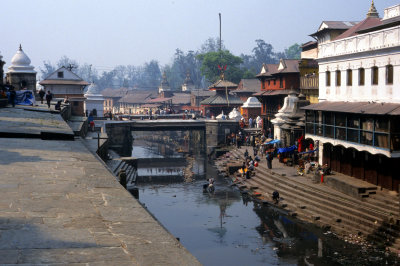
x,y
211,60
263,53
47,69
151,74
293,52
67,62
211,45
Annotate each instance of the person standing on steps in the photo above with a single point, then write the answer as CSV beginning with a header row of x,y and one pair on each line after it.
x,y
269,158
49,97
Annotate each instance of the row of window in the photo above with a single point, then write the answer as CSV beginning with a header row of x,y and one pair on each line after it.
x,y
361,76
372,131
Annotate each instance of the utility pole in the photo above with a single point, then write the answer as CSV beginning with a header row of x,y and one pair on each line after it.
x,y
220,38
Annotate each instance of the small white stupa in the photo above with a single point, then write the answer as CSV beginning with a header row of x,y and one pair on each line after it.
x,y
235,115
94,100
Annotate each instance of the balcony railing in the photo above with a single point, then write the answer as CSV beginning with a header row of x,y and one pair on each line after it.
x,y
361,43
307,83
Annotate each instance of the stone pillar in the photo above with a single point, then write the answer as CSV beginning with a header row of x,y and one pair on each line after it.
x,y
120,137
320,151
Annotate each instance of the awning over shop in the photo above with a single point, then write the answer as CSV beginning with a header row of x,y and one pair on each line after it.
x,y
356,107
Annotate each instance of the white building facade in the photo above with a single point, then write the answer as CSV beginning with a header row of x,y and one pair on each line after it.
x,y
357,119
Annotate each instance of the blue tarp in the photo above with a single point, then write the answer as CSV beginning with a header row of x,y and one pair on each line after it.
x,y
272,142
287,149
23,97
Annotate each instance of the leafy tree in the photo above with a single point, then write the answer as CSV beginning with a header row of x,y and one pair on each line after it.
x,y
293,52
263,53
211,60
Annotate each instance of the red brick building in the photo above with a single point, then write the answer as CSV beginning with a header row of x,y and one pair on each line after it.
x,y
276,82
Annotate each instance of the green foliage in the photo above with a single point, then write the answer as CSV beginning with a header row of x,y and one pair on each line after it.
x,y
201,64
293,52
211,60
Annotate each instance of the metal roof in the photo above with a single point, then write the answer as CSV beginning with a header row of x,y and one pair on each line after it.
x,y
356,107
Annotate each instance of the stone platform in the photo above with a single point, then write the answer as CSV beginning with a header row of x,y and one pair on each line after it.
x,y
60,205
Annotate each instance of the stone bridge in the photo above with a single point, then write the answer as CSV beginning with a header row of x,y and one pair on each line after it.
x,y
120,137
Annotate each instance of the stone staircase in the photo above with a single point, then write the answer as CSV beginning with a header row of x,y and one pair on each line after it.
x,y
118,164
360,220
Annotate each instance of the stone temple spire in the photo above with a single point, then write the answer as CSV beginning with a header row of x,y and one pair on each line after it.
x,y
372,13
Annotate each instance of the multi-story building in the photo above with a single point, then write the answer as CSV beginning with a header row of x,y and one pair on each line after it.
x,y
111,98
357,119
308,67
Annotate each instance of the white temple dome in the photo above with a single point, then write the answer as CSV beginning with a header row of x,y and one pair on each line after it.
x,y
252,102
21,63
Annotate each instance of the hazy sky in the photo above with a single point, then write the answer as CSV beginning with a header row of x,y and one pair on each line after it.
x,y
106,33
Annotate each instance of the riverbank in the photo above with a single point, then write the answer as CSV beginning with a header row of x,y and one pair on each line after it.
x,y
60,205
370,221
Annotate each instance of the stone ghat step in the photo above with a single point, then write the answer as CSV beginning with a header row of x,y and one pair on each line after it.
x,y
324,218
384,209
313,199
344,227
325,214
376,208
350,204
318,199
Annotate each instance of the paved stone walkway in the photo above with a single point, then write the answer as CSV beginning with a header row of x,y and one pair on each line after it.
x,y
59,205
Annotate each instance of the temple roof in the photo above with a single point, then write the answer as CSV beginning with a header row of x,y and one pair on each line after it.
x,y
220,99
222,84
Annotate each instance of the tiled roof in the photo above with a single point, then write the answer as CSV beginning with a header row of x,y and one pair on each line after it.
x,y
202,93
334,25
365,24
219,99
158,100
63,82
357,107
181,98
109,92
385,24
137,97
289,66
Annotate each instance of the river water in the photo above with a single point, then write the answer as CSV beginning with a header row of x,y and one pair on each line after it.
x,y
226,227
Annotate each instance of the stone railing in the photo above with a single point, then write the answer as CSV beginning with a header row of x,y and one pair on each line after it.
x,y
361,43
307,83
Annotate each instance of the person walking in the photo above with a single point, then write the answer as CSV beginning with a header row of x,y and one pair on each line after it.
x,y
269,158
49,97
41,95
